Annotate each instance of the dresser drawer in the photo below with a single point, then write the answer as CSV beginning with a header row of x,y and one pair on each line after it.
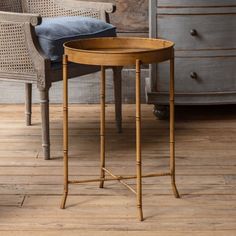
x,y
195,3
199,75
193,32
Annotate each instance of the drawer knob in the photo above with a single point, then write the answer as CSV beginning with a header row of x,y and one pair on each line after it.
x,y
193,32
193,75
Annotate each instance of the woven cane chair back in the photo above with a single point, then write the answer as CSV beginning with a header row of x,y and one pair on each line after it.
x,y
11,5
51,8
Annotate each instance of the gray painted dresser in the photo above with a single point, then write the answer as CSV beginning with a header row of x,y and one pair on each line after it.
x,y
205,35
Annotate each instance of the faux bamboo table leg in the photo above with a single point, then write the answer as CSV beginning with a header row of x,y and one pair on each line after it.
x,y
172,127
102,124
65,130
138,141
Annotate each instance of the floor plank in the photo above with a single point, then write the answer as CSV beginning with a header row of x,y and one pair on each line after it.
x,y
30,188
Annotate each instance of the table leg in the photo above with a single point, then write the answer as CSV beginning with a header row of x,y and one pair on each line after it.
x,y
102,124
65,130
172,127
138,140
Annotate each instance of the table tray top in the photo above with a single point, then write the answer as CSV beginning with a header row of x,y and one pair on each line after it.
x,y
118,51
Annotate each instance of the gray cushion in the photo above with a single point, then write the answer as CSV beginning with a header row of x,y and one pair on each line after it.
x,y
54,32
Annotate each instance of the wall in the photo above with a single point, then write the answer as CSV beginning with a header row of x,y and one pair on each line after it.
x,y
131,19
131,16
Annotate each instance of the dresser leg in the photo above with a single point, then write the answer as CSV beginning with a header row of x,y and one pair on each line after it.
x,y
172,128
161,112
102,124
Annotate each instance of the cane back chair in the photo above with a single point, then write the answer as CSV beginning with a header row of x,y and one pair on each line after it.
x,y
22,60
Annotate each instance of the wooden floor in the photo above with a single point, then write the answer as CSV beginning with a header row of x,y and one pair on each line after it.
x,y
30,188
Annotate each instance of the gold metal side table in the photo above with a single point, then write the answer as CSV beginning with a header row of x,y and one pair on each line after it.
x,y
110,52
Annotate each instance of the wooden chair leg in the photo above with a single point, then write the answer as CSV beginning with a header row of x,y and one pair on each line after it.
x,y
28,103
117,71
44,102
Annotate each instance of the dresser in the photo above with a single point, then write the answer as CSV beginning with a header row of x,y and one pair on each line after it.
x,y
204,32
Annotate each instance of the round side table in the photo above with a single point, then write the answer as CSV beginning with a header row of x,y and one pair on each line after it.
x,y
110,52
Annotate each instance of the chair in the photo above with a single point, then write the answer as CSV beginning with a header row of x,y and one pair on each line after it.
x,y
22,58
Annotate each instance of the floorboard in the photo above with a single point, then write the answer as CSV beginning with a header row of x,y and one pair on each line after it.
x,y
30,188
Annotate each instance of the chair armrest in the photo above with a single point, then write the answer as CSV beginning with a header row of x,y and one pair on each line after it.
x,y
74,4
20,52
33,19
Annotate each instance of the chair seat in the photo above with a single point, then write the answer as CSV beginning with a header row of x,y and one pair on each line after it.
x,y
54,32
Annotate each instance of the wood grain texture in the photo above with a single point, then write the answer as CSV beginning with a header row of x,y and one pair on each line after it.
x,y
130,16
30,188
199,3
206,37
209,73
